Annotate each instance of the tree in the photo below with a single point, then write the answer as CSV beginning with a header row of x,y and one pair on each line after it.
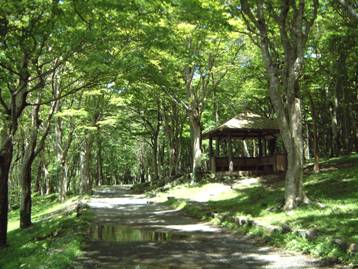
x,y
205,52
281,30
23,39
31,52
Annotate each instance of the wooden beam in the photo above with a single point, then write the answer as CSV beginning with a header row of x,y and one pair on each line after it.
x,y
231,161
212,156
211,147
260,147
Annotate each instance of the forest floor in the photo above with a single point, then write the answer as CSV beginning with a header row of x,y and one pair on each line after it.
x,y
197,227
52,242
327,227
130,231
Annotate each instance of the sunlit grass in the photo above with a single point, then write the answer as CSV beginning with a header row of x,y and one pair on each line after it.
x,y
333,211
52,242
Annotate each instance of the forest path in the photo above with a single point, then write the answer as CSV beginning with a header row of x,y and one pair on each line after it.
x,y
129,232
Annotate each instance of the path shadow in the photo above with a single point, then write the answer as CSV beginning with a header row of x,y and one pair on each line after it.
x,y
200,246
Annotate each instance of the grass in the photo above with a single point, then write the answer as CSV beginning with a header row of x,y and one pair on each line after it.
x,y
335,187
52,242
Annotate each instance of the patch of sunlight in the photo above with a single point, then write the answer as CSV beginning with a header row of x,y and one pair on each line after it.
x,y
163,212
14,221
114,202
200,227
13,225
247,182
204,193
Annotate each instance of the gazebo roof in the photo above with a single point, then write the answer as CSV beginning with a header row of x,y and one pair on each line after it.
x,y
245,125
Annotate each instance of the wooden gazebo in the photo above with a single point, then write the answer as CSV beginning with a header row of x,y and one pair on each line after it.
x,y
228,146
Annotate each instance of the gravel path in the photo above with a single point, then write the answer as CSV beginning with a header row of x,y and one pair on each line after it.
x,y
129,232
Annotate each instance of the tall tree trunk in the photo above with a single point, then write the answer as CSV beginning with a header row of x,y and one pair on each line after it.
x,y
63,179
100,177
334,126
85,160
316,167
196,142
6,152
25,203
336,95
26,170
292,137
306,146
155,157
62,149
38,183
47,179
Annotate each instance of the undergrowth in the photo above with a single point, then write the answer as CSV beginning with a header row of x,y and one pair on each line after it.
x,y
52,242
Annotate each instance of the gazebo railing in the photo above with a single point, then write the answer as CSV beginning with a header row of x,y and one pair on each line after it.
x,y
274,163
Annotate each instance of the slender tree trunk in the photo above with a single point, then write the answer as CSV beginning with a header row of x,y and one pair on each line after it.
x,y
85,159
99,165
155,158
196,142
26,170
38,184
307,154
62,152
336,95
62,148
316,167
63,178
47,180
334,126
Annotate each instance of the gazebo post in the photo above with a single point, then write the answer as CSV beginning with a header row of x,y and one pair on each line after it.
x,y
260,147
231,162
212,156
265,146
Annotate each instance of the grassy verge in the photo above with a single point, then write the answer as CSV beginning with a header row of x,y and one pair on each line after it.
x,y
332,215
52,242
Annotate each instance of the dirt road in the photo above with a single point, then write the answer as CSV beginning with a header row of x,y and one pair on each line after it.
x,y
130,232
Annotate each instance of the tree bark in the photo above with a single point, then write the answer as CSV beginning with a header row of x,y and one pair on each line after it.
x,y
100,177
62,148
85,164
38,183
196,142
6,152
155,157
47,179
316,167
26,170
8,131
